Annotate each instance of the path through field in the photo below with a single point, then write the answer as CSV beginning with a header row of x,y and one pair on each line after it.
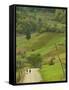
x,y
33,76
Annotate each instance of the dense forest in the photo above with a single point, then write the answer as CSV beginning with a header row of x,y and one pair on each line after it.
x,y
30,20
40,42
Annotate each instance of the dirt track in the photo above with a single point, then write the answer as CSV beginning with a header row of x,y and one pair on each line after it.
x,y
33,76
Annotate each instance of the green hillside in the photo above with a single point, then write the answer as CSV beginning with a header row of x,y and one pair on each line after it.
x,y
41,42
44,44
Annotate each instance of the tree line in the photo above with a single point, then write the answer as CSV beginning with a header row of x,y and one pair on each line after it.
x,y
30,20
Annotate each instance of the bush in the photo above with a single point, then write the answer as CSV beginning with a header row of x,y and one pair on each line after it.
x,y
35,60
60,28
18,76
51,61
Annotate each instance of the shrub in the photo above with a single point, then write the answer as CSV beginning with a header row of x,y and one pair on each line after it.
x,y
35,60
51,61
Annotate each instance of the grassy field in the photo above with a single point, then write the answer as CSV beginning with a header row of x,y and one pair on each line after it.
x,y
52,72
45,45
40,43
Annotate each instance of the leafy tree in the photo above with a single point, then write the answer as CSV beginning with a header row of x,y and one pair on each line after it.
x,y
30,20
35,60
60,28
60,15
28,35
39,25
52,61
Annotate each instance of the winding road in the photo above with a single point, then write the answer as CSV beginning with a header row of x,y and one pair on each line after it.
x,y
33,76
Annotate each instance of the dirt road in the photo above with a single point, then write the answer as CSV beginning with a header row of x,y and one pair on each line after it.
x,y
33,76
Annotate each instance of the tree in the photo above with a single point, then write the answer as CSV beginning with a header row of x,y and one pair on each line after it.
x,y
60,15
28,35
35,60
52,61
39,25
60,28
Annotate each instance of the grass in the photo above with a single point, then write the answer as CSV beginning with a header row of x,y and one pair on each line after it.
x,y
40,43
52,72
45,45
